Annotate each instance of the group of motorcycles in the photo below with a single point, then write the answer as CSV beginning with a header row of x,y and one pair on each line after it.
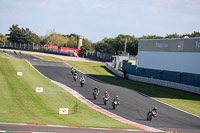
x,y
106,97
75,76
150,115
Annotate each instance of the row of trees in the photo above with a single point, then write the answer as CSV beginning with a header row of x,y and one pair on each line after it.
x,y
113,45
25,36
106,45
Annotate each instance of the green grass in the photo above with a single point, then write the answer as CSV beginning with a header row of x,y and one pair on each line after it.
x,y
186,101
19,103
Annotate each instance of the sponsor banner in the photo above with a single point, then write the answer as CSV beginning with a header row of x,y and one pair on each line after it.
x,y
39,89
19,73
63,111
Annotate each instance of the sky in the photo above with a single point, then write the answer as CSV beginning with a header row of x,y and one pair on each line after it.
x,y
97,19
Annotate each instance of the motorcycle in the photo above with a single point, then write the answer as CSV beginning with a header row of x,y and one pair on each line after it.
x,y
105,99
95,94
150,115
114,104
82,82
75,77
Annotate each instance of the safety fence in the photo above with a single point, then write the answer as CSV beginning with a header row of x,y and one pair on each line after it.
x,y
100,56
32,47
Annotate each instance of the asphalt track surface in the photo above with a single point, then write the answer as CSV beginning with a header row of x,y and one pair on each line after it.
x,y
134,106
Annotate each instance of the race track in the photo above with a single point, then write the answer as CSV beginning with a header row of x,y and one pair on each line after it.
x,y
134,106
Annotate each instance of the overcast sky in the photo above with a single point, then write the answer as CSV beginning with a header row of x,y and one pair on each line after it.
x,y
96,19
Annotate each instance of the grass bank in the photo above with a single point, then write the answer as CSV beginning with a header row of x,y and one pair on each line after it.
x,y
186,101
19,103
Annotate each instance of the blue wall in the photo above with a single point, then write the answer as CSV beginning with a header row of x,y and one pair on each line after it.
x,y
191,79
185,78
129,68
171,76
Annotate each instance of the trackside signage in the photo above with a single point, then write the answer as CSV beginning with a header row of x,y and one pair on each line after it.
x,y
63,111
19,73
39,89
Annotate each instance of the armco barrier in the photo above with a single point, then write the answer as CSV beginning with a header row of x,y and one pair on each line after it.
x,y
117,72
179,86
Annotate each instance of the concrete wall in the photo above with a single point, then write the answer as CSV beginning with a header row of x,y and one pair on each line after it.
x,y
179,86
155,81
171,76
116,72
188,62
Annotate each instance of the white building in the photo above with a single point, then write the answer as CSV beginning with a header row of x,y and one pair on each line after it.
x,y
181,54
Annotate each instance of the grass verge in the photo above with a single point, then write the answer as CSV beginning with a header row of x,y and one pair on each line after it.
x,y
186,101
21,104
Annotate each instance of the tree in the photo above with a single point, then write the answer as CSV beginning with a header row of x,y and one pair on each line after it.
x,y
72,41
151,37
114,45
21,35
195,34
16,34
55,40
175,35
3,39
87,45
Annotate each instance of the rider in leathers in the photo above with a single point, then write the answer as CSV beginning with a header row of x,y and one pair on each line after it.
x,y
96,89
116,99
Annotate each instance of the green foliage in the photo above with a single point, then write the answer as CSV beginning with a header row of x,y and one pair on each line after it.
x,y
151,37
56,40
195,34
21,35
3,39
113,45
72,43
175,35
69,41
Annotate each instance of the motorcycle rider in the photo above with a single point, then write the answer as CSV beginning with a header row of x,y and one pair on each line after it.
x,y
96,90
154,111
106,94
116,99
72,70
75,75
82,79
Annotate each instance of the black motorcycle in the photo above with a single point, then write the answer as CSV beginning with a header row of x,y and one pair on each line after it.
x,y
150,115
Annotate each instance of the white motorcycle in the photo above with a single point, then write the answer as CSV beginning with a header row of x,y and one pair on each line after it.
x,y
105,99
114,104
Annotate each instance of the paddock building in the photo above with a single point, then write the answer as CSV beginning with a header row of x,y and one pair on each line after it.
x,y
175,60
